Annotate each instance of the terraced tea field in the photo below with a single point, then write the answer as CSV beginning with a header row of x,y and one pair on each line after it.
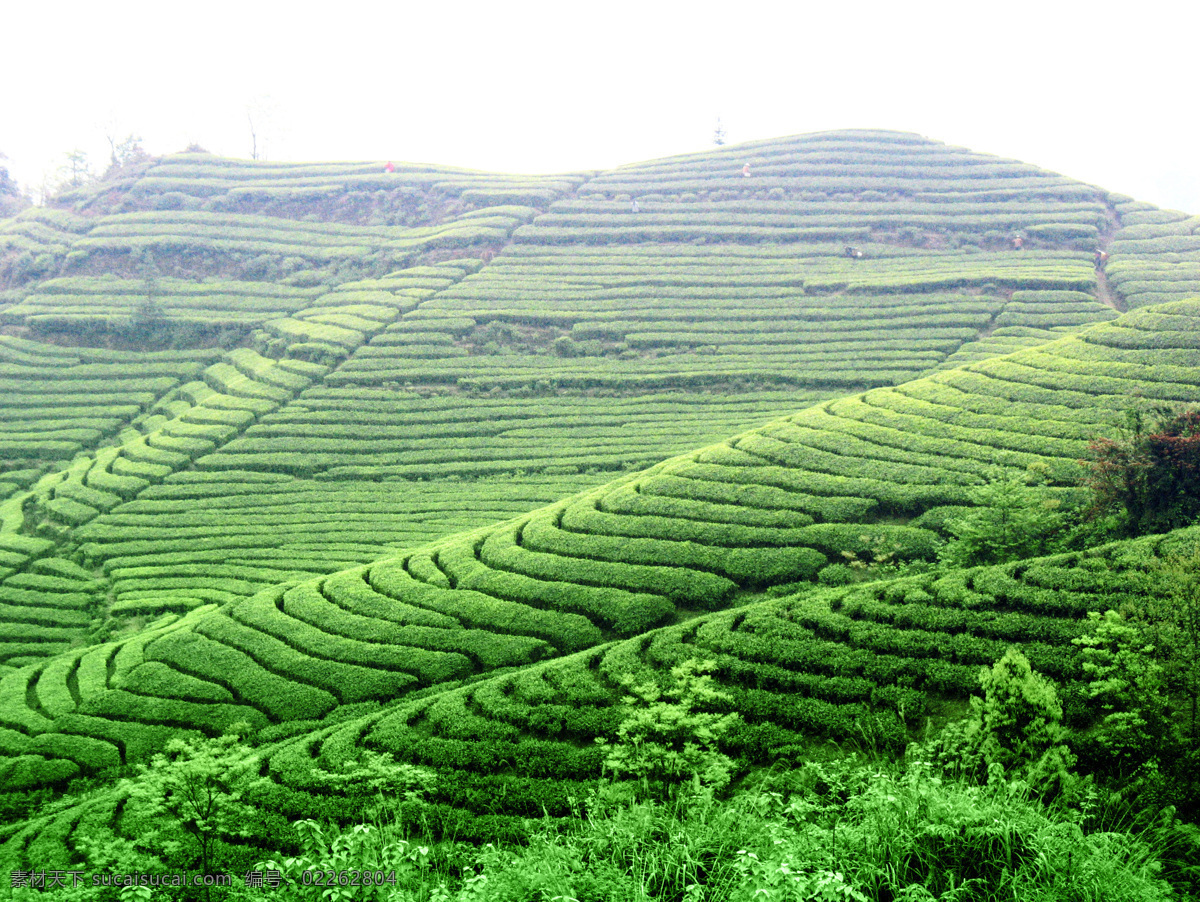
x,y
853,665
289,444
59,401
771,506
669,318
597,341
61,303
1156,255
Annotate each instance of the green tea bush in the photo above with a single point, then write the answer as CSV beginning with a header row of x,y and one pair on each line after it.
x,y
90,754
264,614
564,630
29,771
351,590
485,649
624,611
305,679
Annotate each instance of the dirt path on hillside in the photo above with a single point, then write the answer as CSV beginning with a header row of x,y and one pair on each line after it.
x,y
1104,291
1105,294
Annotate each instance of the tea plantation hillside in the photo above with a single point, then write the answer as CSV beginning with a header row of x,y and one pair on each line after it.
x,y
851,478
852,667
419,461
351,361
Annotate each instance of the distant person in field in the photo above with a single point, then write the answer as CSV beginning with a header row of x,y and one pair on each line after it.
x,y
746,171
853,253
389,167
1101,258
1018,242
633,207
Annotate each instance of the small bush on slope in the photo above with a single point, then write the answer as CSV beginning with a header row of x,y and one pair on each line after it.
x,y
1127,686
194,789
1172,612
1012,520
1015,728
1149,475
669,740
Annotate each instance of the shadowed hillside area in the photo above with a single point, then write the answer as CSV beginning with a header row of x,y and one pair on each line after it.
x,y
434,495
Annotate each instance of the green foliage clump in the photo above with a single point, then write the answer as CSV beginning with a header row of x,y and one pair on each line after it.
x,y
192,797
375,859
1016,727
833,832
376,782
1149,475
671,737
1172,613
1012,520
1126,684
854,832
375,853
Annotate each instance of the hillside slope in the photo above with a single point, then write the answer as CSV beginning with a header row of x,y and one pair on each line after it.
x,y
539,337
809,674
421,474
770,506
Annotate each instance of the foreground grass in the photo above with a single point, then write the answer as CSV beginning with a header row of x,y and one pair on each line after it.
x,y
824,832
849,832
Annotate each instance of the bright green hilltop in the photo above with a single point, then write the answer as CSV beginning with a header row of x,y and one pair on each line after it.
x,y
438,464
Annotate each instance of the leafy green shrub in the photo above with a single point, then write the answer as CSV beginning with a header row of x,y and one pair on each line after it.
x,y
1150,473
89,753
193,789
1012,520
1127,687
838,575
70,511
1017,726
29,771
670,739
939,518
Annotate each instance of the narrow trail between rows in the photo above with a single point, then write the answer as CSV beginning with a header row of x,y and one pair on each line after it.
x,y
1105,294
1104,291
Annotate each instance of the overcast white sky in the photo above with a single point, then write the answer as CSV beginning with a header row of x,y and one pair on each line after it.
x,y
547,87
